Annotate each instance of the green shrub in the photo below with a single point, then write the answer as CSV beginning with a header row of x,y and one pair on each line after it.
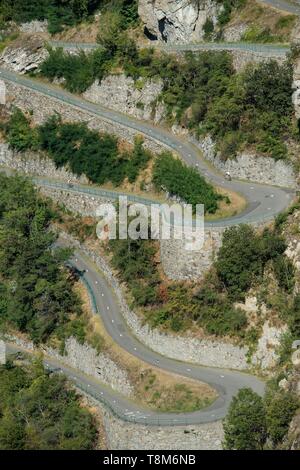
x,y
40,411
216,313
228,7
208,28
20,135
280,411
89,153
245,424
174,176
252,422
243,256
38,294
59,13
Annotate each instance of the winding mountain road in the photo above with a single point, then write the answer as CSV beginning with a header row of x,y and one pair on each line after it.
x,y
264,202
225,382
289,6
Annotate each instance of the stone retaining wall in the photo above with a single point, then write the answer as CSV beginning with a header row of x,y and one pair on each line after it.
x,y
85,358
82,204
123,94
207,352
98,365
241,58
2,352
177,262
45,106
250,166
37,164
182,264
122,435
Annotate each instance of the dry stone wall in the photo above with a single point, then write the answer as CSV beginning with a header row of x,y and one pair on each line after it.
x,y
45,106
250,166
241,58
182,264
177,262
85,358
36,164
122,435
34,26
2,352
206,351
98,365
123,94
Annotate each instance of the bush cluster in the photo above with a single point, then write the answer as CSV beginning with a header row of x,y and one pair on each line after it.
x,y
37,295
39,411
61,13
201,91
254,423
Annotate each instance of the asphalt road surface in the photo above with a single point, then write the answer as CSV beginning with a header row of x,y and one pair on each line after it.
x,y
279,50
225,382
289,6
264,202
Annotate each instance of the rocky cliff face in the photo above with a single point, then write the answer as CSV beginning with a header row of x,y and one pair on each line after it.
x,y
24,55
124,94
176,20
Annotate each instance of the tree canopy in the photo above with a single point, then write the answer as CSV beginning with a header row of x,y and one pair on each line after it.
x,y
256,423
37,292
39,411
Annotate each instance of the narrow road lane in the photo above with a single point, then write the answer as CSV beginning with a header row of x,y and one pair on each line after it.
x,y
264,201
225,382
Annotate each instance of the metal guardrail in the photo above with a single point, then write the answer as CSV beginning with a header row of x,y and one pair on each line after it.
x,y
272,49
222,223
98,192
116,410
105,395
113,117
129,417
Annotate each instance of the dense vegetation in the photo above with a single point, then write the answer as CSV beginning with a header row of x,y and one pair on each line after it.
x,y
228,7
254,423
201,91
37,295
241,264
173,306
39,411
174,176
99,158
244,255
62,13
85,151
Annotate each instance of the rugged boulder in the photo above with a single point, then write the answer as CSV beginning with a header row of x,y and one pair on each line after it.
x,y
124,94
176,20
24,55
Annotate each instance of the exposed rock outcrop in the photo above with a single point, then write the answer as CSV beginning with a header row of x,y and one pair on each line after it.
x,y
24,55
249,166
34,26
124,94
177,20
265,356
